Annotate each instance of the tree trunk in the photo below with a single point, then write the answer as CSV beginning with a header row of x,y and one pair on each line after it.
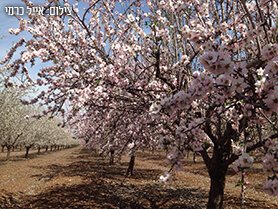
x,y
194,157
111,161
27,151
217,172
39,150
216,193
8,152
3,147
46,148
130,166
217,165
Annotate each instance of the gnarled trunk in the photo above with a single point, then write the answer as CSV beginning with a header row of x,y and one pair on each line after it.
x,y
217,165
216,193
217,171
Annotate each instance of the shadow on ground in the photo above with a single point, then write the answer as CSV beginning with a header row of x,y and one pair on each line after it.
x,y
99,194
104,186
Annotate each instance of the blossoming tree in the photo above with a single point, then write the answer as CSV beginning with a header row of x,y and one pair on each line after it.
x,y
205,70
45,132
13,122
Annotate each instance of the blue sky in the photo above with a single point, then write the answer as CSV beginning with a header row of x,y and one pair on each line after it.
x,y
8,40
6,23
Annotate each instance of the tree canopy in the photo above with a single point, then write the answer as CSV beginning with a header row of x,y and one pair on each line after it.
x,y
200,74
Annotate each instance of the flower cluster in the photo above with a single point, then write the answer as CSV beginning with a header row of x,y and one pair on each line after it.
x,y
238,149
179,100
245,161
174,157
269,79
217,62
270,51
272,100
197,145
271,186
178,166
270,161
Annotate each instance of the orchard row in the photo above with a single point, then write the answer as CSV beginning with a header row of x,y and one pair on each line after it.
x,y
184,74
20,126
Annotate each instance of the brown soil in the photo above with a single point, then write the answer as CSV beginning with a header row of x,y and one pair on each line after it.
x,y
78,178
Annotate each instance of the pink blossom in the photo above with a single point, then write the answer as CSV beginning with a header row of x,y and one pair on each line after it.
x,y
269,51
197,145
171,157
272,99
271,187
269,161
244,161
178,166
131,145
155,108
216,62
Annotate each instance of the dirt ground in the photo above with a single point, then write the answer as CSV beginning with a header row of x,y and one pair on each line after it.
x,y
78,178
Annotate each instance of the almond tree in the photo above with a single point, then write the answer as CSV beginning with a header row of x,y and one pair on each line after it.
x,y
21,126
207,71
42,131
13,121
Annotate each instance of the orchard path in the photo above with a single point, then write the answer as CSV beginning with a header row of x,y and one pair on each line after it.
x,y
78,178
16,175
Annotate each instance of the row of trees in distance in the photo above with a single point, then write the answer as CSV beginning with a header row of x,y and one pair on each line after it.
x,y
193,74
22,127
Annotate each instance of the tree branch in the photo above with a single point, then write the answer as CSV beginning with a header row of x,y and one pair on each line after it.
x,y
234,157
